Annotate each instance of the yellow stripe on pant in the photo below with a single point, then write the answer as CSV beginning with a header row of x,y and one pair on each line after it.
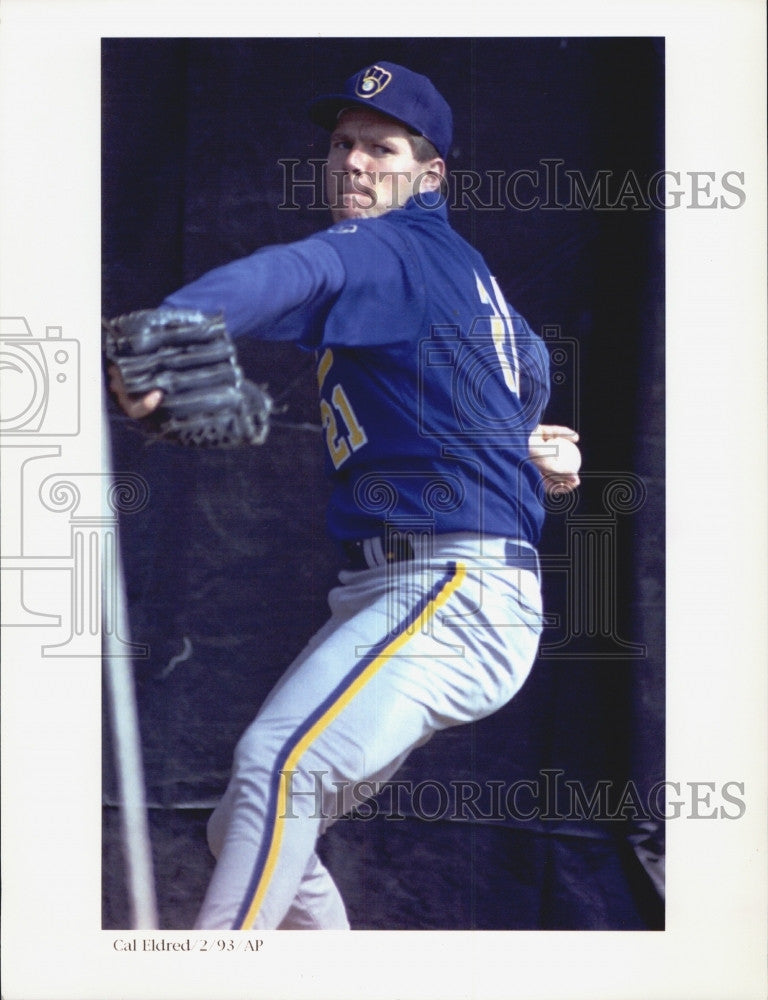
x,y
324,716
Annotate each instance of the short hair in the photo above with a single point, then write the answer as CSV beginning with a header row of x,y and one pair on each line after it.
x,y
423,150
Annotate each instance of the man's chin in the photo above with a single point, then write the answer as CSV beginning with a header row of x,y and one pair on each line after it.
x,y
345,214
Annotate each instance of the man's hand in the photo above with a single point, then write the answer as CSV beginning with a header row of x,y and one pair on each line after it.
x,y
134,406
557,457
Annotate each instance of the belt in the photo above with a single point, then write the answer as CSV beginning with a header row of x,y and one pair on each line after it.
x,y
368,553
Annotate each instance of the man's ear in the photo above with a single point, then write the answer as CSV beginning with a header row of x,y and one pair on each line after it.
x,y
433,176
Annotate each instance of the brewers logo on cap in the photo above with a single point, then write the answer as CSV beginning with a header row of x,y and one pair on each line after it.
x,y
373,81
392,90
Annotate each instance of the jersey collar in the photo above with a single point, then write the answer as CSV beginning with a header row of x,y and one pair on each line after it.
x,y
433,202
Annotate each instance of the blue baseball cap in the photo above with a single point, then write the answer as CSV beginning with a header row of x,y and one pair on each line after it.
x,y
392,90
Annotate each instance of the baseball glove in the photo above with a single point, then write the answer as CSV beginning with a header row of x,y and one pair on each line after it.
x,y
207,402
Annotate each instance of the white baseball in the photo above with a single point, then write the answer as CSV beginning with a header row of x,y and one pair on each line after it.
x,y
567,457
556,456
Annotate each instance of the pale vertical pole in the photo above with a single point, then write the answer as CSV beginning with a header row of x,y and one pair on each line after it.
x,y
126,738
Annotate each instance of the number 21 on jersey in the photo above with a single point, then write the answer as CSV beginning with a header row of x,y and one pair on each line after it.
x,y
343,432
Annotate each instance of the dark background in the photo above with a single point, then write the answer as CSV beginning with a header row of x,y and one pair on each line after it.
x,y
227,567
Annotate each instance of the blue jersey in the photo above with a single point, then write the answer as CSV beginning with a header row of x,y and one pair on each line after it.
x,y
430,384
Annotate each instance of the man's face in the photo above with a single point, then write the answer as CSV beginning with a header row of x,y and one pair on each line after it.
x,y
371,168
